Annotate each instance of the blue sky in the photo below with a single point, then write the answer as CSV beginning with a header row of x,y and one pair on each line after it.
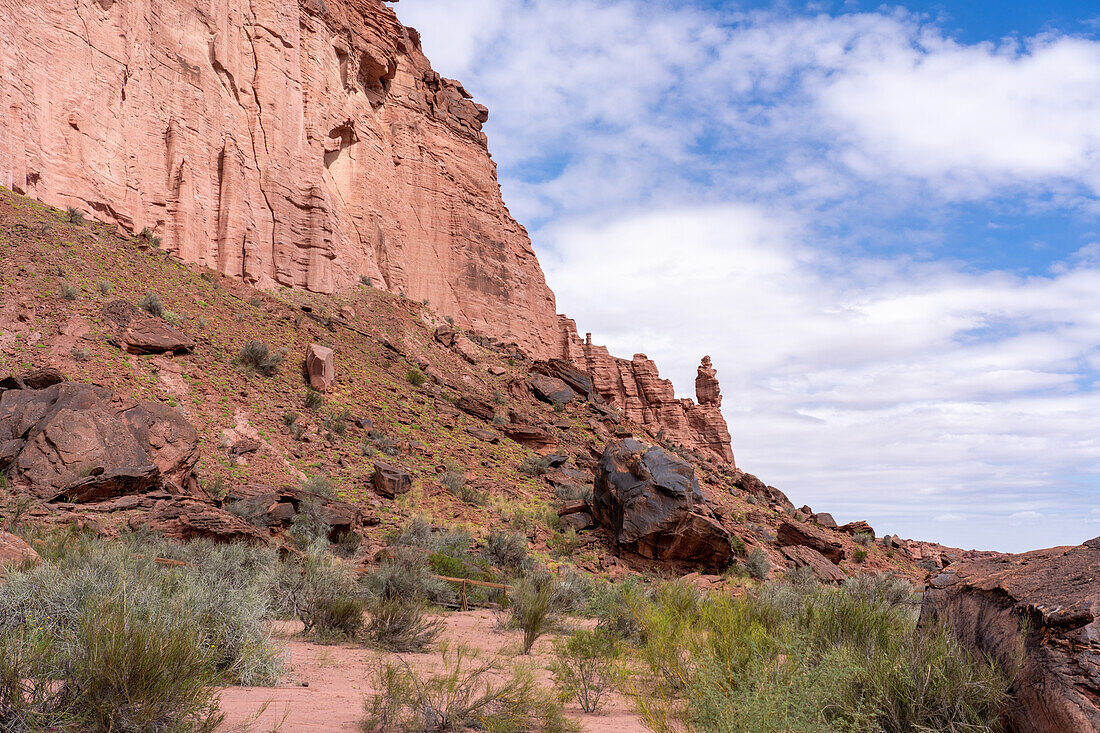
x,y
881,221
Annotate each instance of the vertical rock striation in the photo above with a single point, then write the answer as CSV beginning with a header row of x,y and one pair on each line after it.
x,y
303,144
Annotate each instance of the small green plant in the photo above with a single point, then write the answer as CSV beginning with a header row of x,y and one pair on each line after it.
x,y
758,564
172,318
468,694
314,400
152,304
586,667
401,626
259,357
533,607
69,292
506,550
290,419
149,236
564,544
860,556
416,377
366,281
74,216
559,406
534,465
738,546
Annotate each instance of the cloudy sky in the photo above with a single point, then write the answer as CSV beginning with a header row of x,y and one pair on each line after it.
x,y
882,222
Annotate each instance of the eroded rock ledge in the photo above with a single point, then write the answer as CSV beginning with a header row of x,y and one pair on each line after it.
x,y
1038,611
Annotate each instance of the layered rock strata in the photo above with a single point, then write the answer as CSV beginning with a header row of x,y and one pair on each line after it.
x,y
635,386
306,144
1038,615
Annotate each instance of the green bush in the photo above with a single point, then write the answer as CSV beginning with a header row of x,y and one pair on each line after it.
x,y
534,465
863,538
533,606
406,577
758,564
808,658
586,666
470,693
416,377
152,304
506,550
313,400
313,588
401,626
69,292
860,556
339,617
74,216
258,356
104,286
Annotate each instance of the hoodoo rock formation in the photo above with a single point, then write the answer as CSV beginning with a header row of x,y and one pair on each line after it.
x,y
635,386
305,144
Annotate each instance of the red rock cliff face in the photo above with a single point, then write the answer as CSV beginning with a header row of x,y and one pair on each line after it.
x,y
302,144
636,387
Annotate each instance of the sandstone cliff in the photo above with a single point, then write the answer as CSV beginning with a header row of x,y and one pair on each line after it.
x,y
636,387
304,144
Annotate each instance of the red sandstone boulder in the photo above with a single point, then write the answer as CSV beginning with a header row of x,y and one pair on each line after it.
x,y
189,519
321,367
807,535
476,408
651,501
83,443
530,436
15,552
1043,607
140,333
388,481
803,556
854,528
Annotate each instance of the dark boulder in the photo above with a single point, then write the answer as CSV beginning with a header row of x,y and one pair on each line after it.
x,y
552,390
824,519
651,500
276,508
577,379
1041,607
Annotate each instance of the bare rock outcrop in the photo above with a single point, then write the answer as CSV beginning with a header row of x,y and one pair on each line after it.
x,y
792,534
651,501
83,443
321,367
305,144
1039,611
14,552
140,333
635,387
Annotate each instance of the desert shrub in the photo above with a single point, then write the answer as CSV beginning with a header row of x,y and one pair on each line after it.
x,y
758,564
860,556
172,318
366,281
880,588
586,666
69,291
534,465
498,397
447,566
801,576
573,492
863,538
149,236
470,693
533,605
74,216
416,377
401,626
617,607
405,577
339,617
559,406
104,286
383,442
738,546
313,401
313,587
449,319
80,353
152,304
563,544
506,550
808,658
258,356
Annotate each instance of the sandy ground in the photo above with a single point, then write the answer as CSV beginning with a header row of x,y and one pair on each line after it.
x,y
338,680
